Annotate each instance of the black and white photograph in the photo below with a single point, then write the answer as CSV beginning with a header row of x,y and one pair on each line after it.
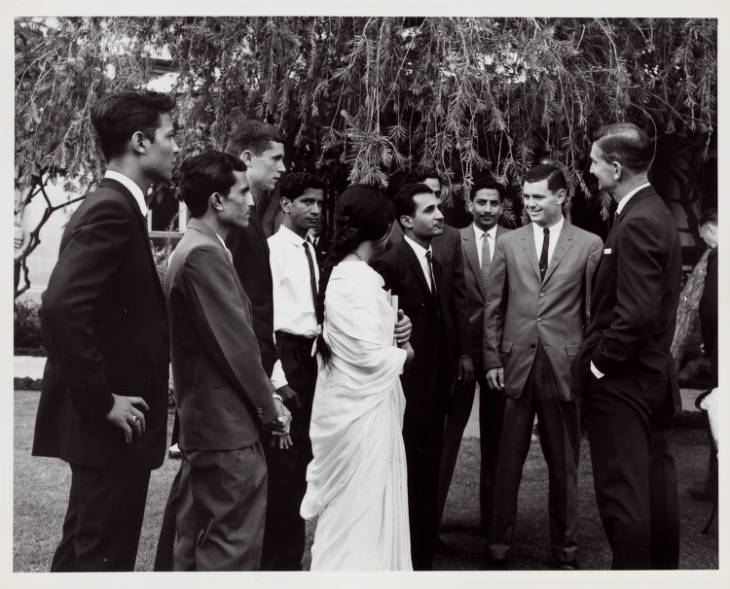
x,y
350,292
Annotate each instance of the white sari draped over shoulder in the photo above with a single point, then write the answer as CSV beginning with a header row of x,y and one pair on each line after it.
x,y
356,481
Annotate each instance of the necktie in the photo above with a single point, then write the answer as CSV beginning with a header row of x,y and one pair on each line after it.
x,y
486,257
312,279
434,290
544,253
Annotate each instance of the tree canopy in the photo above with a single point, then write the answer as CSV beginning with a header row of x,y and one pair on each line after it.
x,y
361,98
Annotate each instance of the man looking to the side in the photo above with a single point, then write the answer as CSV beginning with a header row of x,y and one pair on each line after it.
x,y
222,392
478,242
103,405
295,278
535,315
625,366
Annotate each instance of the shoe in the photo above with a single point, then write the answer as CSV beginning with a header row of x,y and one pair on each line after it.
x,y
443,547
497,564
174,452
565,565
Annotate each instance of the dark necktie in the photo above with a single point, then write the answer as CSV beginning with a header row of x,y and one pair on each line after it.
x,y
544,253
312,278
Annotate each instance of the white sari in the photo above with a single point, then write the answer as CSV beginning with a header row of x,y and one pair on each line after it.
x,y
356,481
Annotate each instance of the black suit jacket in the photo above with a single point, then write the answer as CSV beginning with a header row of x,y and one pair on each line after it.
x,y
634,303
105,328
439,336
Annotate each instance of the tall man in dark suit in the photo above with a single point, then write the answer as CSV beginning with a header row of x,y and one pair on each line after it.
x,y
477,247
222,392
535,314
103,405
426,289
625,367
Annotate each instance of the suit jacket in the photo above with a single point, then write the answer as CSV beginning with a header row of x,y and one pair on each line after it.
x,y
440,335
475,289
105,329
251,259
634,304
522,311
221,389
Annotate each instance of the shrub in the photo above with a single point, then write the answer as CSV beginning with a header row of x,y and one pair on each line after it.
x,y
27,329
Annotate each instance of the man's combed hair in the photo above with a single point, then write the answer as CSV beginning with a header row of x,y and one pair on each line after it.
x,y
255,136
627,144
490,183
554,175
202,175
118,116
294,184
403,200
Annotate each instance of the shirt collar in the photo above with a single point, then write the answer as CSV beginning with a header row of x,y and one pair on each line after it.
x,y
491,232
417,248
555,228
289,235
130,185
627,197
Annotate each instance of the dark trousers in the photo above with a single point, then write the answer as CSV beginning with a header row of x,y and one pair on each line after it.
x,y
634,473
103,520
491,408
559,428
422,440
284,535
221,510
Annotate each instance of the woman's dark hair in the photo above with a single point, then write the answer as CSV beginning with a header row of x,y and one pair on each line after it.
x,y
362,213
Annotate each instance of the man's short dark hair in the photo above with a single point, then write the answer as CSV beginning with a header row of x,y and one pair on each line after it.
x,y
293,185
554,175
404,202
202,175
421,173
708,216
488,183
627,144
119,115
254,136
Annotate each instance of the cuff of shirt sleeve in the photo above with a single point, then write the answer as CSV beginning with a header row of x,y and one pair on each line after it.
x,y
597,373
278,378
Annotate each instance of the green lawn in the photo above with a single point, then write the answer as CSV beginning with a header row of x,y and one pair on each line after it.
x,y
41,492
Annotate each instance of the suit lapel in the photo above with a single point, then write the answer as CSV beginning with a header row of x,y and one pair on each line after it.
x,y
565,240
527,239
410,257
469,248
638,197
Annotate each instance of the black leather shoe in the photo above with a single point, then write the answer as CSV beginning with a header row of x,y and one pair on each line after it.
x,y
565,565
443,547
497,564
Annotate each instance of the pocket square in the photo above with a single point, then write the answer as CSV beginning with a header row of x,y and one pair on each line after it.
x,y
606,251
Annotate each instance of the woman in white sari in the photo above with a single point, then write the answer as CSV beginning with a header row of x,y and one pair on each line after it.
x,y
356,481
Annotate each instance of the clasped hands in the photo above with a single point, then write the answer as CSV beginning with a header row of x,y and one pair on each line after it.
x,y
279,426
402,334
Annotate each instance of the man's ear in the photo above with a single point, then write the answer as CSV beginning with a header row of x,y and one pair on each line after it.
x,y
138,142
470,205
618,170
215,201
561,195
285,204
246,156
406,221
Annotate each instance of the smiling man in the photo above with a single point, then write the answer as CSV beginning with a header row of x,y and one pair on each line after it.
x,y
427,294
536,310
295,279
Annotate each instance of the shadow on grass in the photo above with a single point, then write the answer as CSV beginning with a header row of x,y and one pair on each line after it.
x,y
41,493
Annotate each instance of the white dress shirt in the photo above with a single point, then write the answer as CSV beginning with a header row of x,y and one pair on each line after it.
x,y
130,185
293,304
491,236
420,252
554,235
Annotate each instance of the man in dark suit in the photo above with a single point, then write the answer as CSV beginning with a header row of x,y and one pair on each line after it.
x,y
103,405
625,367
477,247
535,314
426,287
222,392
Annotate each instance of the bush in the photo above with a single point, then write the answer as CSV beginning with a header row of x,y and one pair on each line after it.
x,y
27,329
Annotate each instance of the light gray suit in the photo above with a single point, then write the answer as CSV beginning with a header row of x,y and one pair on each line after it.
x,y
532,329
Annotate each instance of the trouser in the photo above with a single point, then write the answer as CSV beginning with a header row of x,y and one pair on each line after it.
x,y
422,440
221,510
634,473
103,520
284,535
559,429
491,408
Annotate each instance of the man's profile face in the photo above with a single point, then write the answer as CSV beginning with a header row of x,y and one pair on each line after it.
x,y
304,211
485,208
708,233
602,169
543,206
162,150
427,220
264,169
236,204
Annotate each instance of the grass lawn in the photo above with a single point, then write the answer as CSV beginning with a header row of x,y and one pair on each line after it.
x,y
41,493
